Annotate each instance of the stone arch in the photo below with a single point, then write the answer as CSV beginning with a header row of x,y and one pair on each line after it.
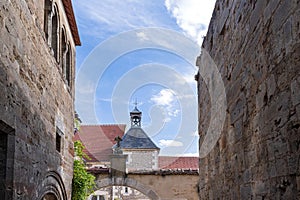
x,y
47,17
69,65
55,32
129,182
63,50
53,187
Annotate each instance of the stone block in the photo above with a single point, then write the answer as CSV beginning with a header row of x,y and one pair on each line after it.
x,y
281,167
236,110
256,14
281,13
260,188
261,96
287,33
295,91
271,86
245,192
293,162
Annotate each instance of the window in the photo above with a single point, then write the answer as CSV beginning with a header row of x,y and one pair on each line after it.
x,y
51,27
7,149
66,61
57,39
68,65
3,159
58,139
47,17
63,52
54,34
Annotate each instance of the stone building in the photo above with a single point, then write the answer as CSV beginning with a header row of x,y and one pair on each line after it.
x,y
142,153
171,177
256,47
37,70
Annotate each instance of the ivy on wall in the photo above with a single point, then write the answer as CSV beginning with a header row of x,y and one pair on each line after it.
x,y
83,182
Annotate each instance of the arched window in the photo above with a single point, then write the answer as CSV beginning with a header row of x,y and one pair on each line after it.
x,y
63,52
47,17
54,33
68,65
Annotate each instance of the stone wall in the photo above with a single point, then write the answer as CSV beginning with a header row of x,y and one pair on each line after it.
x,y
141,159
35,101
256,46
168,185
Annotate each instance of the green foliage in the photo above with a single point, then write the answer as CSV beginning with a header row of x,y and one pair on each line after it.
x,y
83,182
77,124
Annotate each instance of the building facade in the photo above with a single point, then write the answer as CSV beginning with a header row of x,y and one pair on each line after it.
x,y
256,47
37,70
141,151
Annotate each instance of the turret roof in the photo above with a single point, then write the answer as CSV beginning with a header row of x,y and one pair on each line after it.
x,y
136,138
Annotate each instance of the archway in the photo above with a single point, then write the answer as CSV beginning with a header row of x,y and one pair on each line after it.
x,y
52,187
128,182
49,196
117,192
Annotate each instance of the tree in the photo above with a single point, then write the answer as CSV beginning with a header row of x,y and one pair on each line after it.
x,y
83,182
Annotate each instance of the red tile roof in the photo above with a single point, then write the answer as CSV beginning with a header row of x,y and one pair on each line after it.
x,y
98,140
72,22
166,162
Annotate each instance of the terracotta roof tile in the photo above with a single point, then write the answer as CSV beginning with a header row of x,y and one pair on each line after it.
x,y
166,162
72,22
98,140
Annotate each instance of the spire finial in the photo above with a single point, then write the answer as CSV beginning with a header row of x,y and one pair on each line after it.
x,y
135,103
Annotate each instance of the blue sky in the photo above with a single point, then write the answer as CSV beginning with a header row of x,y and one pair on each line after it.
x,y
144,50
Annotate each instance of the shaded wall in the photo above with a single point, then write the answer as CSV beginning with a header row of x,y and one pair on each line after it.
x,y
34,103
256,46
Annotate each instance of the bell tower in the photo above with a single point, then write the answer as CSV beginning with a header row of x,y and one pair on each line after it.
x,y
135,117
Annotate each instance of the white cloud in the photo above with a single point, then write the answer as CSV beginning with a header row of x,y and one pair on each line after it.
x,y
118,16
192,16
164,98
142,36
167,100
170,143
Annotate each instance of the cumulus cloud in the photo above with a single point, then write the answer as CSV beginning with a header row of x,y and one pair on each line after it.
x,y
170,143
192,16
166,99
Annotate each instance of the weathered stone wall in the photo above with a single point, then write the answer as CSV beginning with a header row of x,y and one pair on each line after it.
x,y
141,159
256,46
34,101
157,185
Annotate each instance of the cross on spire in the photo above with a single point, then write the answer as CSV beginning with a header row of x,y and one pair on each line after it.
x,y
135,103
